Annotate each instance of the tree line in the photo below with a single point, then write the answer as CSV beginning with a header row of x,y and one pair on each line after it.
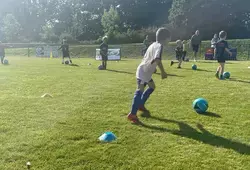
x,y
123,21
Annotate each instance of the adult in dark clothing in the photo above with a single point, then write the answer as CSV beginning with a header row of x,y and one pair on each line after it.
x,y
195,42
104,52
65,50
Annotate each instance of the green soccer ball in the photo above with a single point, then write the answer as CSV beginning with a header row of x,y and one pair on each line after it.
x,y
226,75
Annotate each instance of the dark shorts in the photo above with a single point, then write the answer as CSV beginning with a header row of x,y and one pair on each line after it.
x,y
221,59
104,57
65,54
139,82
196,48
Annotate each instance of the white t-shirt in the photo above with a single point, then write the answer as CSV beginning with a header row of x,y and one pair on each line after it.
x,y
147,67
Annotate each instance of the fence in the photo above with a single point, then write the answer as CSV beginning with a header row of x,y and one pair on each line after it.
x,y
127,50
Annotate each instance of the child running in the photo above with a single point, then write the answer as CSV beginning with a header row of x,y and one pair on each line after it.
x,y
221,47
179,53
151,60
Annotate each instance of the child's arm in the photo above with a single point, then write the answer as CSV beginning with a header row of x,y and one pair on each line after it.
x,y
160,65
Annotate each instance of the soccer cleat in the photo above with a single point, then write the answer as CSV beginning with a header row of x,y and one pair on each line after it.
x,y
222,77
217,75
172,63
179,67
133,118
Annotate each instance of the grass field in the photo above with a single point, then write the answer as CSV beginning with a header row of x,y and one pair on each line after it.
x,y
62,132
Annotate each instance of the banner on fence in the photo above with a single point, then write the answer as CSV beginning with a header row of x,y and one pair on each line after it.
x,y
113,54
46,51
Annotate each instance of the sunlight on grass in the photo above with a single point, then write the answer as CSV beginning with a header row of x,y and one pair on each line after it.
x,y
62,132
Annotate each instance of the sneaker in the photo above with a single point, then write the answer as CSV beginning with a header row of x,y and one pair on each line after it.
x,y
133,118
217,75
172,63
222,78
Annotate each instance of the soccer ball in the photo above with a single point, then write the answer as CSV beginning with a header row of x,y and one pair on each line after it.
x,y
200,105
66,62
226,75
5,62
100,67
194,67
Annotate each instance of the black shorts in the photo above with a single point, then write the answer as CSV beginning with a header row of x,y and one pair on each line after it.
x,y
104,57
195,48
65,54
221,59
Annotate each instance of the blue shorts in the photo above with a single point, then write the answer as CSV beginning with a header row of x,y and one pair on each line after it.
x,y
139,82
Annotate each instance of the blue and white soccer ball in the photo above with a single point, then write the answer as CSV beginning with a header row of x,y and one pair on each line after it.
x,y
5,62
194,67
200,105
67,62
100,67
226,75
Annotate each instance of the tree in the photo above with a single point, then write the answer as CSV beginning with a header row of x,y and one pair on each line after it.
x,y
209,16
11,28
111,21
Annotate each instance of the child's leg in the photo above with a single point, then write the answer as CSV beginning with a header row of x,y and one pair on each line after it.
x,y
63,60
222,69
218,71
180,61
147,93
70,59
184,55
137,98
105,64
2,58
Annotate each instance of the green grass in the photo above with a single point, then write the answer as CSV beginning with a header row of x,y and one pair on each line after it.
x,y
62,132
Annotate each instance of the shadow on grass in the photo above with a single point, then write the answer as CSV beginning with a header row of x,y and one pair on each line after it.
x,y
117,71
74,65
210,114
240,81
213,61
170,75
199,70
202,135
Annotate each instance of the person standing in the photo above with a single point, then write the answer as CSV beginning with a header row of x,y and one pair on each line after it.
x,y
195,42
65,50
2,51
146,44
104,52
214,41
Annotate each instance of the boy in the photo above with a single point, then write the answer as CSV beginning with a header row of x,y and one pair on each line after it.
x,y
221,47
179,53
65,50
2,52
151,60
184,42
104,52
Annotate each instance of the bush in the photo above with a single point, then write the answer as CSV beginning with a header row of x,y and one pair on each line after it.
x,y
69,37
